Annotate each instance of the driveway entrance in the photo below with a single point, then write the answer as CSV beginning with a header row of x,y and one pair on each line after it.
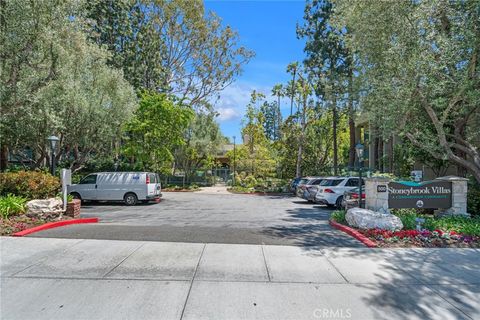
x,y
211,217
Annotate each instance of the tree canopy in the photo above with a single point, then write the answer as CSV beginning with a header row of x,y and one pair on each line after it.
x,y
420,72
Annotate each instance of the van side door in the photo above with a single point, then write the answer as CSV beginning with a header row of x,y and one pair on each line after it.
x,y
88,187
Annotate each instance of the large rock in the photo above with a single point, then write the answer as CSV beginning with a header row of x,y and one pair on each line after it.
x,y
48,208
368,219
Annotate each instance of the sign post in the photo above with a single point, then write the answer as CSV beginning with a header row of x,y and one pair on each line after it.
x,y
66,179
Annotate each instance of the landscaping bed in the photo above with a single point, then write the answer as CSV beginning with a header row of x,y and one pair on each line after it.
x,y
252,190
190,188
447,232
40,190
19,223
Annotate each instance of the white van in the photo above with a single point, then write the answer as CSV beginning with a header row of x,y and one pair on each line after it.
x,y
129,187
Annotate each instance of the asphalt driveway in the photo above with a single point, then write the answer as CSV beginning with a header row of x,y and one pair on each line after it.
x,y
211,218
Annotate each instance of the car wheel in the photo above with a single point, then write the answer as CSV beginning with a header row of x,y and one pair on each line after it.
x,y
338,203
130,199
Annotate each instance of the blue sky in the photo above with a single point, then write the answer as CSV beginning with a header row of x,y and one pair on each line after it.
x,y
268,28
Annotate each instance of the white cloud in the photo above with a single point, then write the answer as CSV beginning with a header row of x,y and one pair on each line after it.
x,y
232,100
225,114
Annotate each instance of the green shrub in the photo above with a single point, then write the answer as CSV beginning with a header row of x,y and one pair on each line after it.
x,y
407,216
11,204
339,216
465,225
29,184
249,181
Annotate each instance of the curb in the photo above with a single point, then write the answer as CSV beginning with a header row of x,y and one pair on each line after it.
x,y
354,233
51,225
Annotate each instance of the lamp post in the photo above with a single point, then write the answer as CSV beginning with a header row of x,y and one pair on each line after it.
x,y
234,164
359,149
53,143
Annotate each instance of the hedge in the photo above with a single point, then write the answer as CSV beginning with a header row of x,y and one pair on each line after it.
x,y
29,184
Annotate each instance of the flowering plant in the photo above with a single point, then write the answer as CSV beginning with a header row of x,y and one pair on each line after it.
x,y
422,238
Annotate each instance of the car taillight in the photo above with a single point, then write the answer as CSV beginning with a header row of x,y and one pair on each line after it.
x,y
147,180
328,191
354,195
363,195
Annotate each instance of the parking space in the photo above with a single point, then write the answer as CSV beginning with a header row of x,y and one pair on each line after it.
x,y
211,218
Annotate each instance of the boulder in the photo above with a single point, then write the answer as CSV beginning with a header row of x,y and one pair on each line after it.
x,y
45,208
368,219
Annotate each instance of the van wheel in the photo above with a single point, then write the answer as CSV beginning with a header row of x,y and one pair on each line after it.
x,y
338,203
76,195
130,199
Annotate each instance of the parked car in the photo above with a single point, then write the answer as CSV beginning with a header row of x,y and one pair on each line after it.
x,y
129,187
331,190
294,184
307,188
351,199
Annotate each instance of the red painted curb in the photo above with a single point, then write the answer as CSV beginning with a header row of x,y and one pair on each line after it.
x,y
354,233
51,225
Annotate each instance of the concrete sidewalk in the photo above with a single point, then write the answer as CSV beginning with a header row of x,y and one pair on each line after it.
x,y
103,279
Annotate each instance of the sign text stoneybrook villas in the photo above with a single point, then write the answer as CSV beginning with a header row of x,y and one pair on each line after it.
x,y
429,194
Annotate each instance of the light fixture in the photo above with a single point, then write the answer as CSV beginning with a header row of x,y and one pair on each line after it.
x,y
359,148
53,144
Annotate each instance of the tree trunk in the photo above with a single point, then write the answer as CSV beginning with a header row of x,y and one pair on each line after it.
x,y
351,121
380,155
3,157
390,155
335,142
460,132
300,142
293,93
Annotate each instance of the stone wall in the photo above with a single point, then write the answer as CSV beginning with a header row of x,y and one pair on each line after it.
x,y
459,197
376,201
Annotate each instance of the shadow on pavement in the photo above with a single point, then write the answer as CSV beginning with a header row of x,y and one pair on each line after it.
x,y
309,227
446,277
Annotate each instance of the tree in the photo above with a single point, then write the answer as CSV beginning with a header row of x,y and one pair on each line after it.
x,y
203,140
169,46
279,92
420,63
53,81
258,158
317,156
304,92
330,65
271,118
156,130
292,68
